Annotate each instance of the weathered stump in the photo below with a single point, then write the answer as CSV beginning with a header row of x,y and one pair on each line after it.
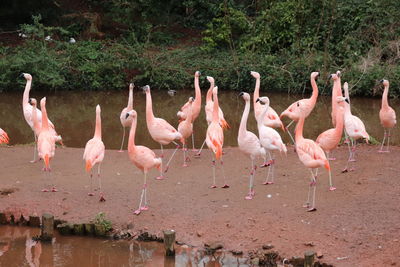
x,y
79,229
47,227
169,241
309,258
99,230
64,228
89,228
34,221
3,218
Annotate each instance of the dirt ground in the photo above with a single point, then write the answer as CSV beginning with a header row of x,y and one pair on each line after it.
x,y
356,225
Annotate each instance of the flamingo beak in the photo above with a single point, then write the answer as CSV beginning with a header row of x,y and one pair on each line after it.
x,y
127,115
258,100
21,75
347,100
381,81
241,93
330,76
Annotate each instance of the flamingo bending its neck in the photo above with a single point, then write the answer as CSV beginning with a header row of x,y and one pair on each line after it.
x,y
249,144
94,153
143,158
126,121
387,116
160,130
185,127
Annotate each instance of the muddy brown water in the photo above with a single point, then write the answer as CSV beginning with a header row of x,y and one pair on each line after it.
x,y
73,114
17,248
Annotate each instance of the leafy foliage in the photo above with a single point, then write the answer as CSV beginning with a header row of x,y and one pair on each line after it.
x,y
101,219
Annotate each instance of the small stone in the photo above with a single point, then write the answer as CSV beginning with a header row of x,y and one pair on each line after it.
x,y
225,206
185,246
268,246
129,226
199,234
395,240
309,244
319,254
214,245
269,196
255,261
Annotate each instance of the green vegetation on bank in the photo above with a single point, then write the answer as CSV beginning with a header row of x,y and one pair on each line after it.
x,y
164,44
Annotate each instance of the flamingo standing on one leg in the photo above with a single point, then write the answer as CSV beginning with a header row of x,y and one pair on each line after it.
x,y
160,130
46,142
269,138
308,104
126,122
143,158
94,153
312,156
185,127
387,116
354,128
271,117
249,144
195,106
330,139
209,111
4,139
215,138
27,109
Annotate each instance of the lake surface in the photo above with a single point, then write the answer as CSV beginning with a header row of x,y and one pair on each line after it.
x,y
73,114
18,249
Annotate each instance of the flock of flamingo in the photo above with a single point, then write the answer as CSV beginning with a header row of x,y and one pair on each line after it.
x,y
313,154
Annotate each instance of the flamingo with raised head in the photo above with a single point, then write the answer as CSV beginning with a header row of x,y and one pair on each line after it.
x,y
215,138
4,139
185,127
195,106
269,138
249,144
387,116
336,92
143,158
94,153
28,110
126,122
354,128
46,142
160,130
308,104
330,139
271,117
312,156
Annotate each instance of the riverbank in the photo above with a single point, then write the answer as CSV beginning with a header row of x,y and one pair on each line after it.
x,y
356,225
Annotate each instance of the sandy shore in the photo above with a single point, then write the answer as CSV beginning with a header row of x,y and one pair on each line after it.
x,y
356,225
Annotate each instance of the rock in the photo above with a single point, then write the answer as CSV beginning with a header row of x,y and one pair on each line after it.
x,y
255,262
214,245
309,244
129,226
268,246
237,252
89,228
319,254
65,228
199,234
34,221
79,229
3,219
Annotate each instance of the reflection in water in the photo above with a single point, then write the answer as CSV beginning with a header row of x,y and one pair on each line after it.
x,y
73,115
18,249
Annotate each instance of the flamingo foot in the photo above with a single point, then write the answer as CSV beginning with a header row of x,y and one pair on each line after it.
x,y
213,186
90,194
383,151
312,209
345,170
267,183
166,169
346,141
194,150
102,199
33,161
188,159
120,151
184,165
225,186
249,197
45,190
352,160
352,169
137,212
307,205
144,208
197,155
332,158
161,177
54,189
332,188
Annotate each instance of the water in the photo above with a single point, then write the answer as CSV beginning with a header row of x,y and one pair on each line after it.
x,y
73,114
18,249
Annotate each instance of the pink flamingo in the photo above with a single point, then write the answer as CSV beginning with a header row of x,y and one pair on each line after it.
x,y
143,158
249,144
215,138
126,122
269,138
387,115
4,139
336,91
330,139
28,110
185,127
195,106
271,118
160,130
308,104
354,128
94,153
312,156
46,142
209,111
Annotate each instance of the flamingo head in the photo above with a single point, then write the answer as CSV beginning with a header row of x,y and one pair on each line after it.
x,y
384,82
197,74
131,113
245,96
27,76
43,102
191,99
338,73
146,88
314,75
255,74
263,100
210,79
131,85
333,76
32,101
98,109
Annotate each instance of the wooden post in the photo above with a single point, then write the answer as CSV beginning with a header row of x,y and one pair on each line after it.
x,y
169,241
309,258
47,227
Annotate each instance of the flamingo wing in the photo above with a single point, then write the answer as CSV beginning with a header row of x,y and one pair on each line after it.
x,y
4,139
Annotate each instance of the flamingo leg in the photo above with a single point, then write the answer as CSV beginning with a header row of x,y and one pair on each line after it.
x,y
161,167
102,199
270,163
201,148
353,149
223,174
91,184
34,149
47,177
193,141
383,142
173,154
290,135
123,139
331,187
213,171
329,157
388,145
145,207
184,156
314,184
137,212
251,181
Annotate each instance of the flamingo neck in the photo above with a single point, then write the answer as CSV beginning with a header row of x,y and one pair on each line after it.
x,y
132,133
339,87
261,117
335,90
385,103
299,130
35,120
189,117
97,131
314,95
256,91
339,123
149,108
197,98
45,119
245,116
347,108
25,98
209,93
215,117
130,99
